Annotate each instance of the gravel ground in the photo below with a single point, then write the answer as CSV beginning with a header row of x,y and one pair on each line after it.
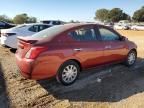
x,y
114,86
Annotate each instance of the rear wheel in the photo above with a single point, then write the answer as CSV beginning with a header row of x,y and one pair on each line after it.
x,y
131,58
68,73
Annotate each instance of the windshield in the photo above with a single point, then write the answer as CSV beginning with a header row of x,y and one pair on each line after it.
x,y
52,31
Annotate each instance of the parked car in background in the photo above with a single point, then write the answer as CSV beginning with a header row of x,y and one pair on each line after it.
x,y
5,25
52,22
109,25
9,36
124,22
137,27
65,50
121,27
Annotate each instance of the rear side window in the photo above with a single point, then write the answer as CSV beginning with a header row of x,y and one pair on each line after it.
x,y
42,27
108,35
34,28
83,34
56,22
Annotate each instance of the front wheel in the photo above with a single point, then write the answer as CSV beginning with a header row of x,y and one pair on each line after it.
x,y
68,73
131,58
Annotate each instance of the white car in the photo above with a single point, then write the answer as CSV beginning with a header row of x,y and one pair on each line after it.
x,y
137,27
121,27
9,36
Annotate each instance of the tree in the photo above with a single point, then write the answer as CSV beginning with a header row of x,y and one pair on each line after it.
x,y
102,14
24,18
138,15
115,14
5,18
20,19
125,17
32,20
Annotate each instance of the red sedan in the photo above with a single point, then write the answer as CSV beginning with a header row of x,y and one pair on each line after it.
x,y
64,51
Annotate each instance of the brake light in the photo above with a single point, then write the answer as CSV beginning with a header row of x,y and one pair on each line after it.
x,y
34,52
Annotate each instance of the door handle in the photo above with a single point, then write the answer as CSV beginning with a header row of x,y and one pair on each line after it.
x,y
78,49
108,47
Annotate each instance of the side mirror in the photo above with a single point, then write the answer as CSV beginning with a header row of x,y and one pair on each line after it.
x,y
123,38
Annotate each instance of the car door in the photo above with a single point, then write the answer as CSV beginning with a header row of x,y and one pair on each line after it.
x,y
115,49
86,47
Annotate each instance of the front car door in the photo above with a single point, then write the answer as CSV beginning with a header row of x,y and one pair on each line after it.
x,y
115,49
86,47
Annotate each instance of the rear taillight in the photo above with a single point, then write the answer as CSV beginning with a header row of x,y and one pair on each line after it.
x,y
8,34
34,52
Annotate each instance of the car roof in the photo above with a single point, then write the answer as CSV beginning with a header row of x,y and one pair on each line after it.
x,y
74,25
52,20
35,24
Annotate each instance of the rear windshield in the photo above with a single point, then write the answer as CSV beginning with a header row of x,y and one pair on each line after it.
x,y
52,31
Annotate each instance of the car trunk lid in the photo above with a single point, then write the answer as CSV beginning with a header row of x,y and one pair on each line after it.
x,y
24,45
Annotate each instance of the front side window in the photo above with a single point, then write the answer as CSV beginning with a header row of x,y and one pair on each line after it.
x,y
83,34
108,35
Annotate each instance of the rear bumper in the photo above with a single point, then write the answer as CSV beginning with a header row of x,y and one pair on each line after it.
x,y
26,75
35,69
24,66
10,41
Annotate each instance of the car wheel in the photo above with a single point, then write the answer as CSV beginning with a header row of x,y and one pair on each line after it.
x,y
68,73
131,58
135,29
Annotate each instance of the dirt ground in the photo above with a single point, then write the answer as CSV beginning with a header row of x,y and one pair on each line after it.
x,y
113,86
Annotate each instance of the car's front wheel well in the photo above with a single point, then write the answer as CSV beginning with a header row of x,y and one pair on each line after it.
x,y
134,50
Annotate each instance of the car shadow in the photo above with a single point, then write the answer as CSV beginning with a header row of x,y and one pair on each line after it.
x,y
106,84
4,98
13,50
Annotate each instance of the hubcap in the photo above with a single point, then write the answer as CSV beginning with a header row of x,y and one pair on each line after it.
x,y
131,58
69,73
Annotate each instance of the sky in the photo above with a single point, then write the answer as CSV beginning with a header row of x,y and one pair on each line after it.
x,y
65,10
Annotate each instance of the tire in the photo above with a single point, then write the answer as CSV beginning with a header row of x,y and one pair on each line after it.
x,y
135,29
68,73
131,58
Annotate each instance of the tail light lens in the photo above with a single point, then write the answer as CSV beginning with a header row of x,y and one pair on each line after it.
x,y
8,34
34,52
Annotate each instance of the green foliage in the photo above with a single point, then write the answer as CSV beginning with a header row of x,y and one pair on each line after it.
x,y
102,14
24,18
138,15
32,20
114,15
5,18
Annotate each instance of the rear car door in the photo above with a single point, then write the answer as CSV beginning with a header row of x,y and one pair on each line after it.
x,y
86,47
115,49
